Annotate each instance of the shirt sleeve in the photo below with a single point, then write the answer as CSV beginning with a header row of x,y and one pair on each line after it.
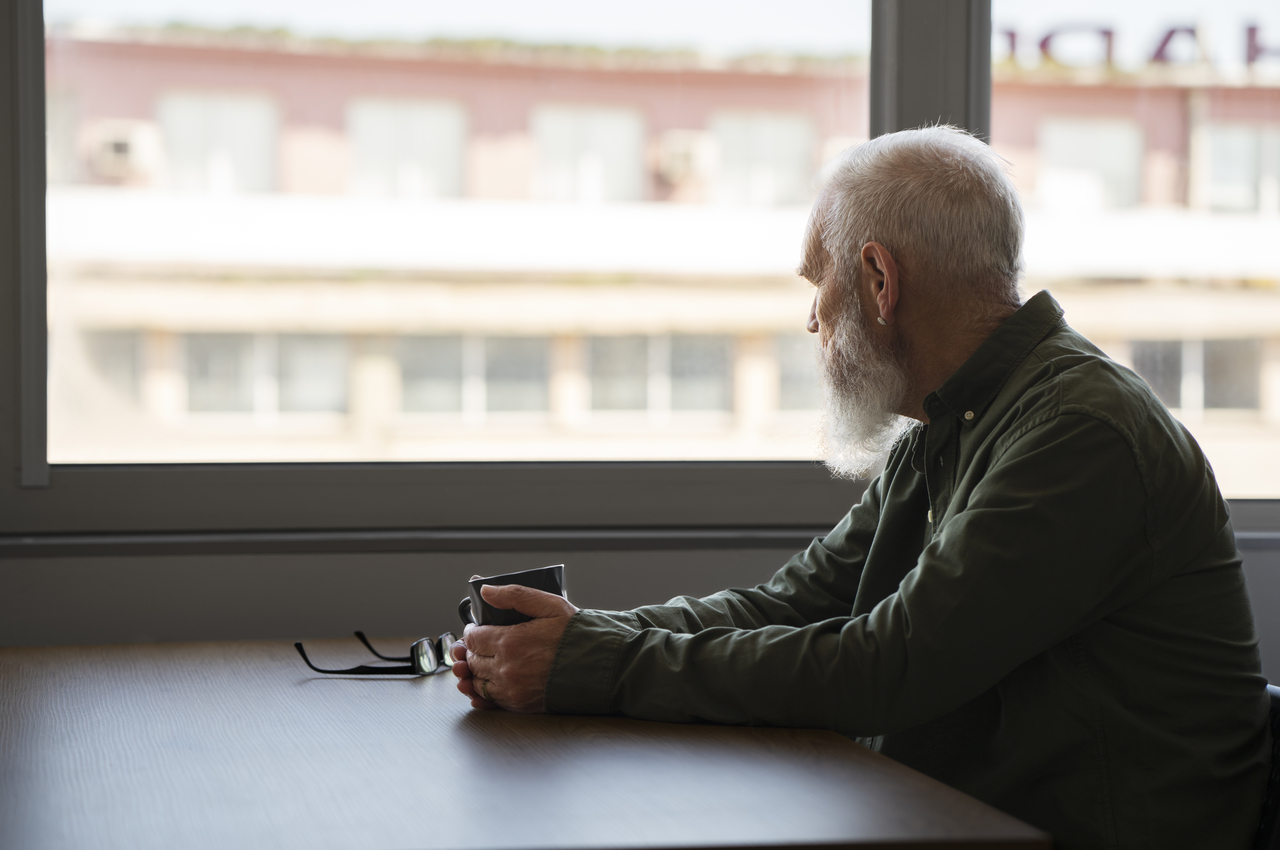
x,y
817,584
1052,539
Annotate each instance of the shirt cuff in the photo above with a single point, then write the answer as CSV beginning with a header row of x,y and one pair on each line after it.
x,y
583,672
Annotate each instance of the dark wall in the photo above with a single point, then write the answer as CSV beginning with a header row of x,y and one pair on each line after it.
x,y
123,600
180,598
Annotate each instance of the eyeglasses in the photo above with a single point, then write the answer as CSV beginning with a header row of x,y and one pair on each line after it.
x,y
425,657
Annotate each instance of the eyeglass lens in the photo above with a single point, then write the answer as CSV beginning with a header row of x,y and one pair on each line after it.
x,y
426,656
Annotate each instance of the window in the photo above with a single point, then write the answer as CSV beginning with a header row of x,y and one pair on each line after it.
x,y
217,143
731,271
515,373
765,158
619,373
431,374
407,149
1231,372
1137,145
701,372
429,237
799,387
313,373
588,154
1090,163
1244,174
220,372
117,359
1159,362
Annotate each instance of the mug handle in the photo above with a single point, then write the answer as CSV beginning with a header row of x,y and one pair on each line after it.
x,y
464,611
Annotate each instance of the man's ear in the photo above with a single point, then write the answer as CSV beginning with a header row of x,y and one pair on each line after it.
x,y
880,281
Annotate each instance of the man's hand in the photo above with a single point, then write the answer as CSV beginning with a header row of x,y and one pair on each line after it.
x,y
507,666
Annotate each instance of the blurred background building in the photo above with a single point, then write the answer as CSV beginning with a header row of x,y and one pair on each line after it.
x,y
264,246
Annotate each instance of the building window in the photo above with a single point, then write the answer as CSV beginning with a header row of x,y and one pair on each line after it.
x,y
220,372
588,154
219,143
619,372
407,149
1194,375
1231,373
116,359
1159,362
701,372
764,158
430,374
1244,168
1090,163
312,373
799,383
515,373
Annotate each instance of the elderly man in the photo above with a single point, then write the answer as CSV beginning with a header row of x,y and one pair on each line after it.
x,y
1039,601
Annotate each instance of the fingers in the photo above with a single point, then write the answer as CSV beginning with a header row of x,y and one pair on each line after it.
x,y
526,600
468,689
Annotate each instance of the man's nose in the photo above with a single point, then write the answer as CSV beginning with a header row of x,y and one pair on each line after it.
x,y
813,316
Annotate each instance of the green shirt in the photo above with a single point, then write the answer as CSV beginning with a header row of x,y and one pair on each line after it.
x,y
1039,602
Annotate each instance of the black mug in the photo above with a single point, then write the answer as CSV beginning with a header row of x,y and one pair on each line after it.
x,y
550,579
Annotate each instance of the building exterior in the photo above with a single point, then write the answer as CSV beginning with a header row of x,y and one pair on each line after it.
x,y
265,248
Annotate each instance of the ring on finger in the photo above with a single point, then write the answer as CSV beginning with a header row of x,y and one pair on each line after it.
x,y
484,689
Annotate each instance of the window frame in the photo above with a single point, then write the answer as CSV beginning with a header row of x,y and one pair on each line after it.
x,y
929,59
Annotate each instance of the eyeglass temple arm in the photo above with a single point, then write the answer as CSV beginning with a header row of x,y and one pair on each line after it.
x,y
364,640
362,670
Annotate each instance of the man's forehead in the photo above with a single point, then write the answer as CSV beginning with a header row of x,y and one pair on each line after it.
x,y
816,261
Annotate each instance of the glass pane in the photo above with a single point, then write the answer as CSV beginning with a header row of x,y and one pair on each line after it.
x,y
619,373
515,373
431,373
1231,373
1138,135
286,231
798,372
701,373
313,373
1159,362
220,371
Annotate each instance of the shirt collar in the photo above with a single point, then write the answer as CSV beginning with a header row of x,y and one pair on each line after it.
x,y
968,392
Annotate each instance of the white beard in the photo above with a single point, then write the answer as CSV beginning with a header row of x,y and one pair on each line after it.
x,y
862,388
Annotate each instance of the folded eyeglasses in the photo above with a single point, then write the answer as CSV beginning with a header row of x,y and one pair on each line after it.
x,y
426,656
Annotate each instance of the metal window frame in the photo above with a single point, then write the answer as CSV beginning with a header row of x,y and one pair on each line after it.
x,y
930,61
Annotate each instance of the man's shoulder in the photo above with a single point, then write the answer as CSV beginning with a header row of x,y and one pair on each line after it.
x,y
1066,375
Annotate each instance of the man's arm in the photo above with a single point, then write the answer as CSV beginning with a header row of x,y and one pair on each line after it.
x,y
1050,541
816,584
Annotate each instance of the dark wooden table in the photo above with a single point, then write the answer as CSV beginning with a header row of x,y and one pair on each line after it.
x,y
238,745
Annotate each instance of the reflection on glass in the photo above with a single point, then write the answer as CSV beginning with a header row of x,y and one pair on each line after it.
x,y
1135,140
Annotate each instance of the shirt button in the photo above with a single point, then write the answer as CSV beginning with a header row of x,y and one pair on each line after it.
x,y
930,516
968,414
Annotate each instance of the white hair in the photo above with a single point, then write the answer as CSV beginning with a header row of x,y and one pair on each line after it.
x,y
939,200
